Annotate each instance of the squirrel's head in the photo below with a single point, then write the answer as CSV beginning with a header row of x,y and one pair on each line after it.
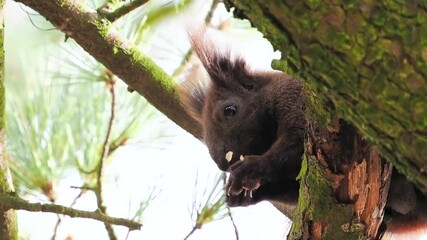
x,y
229,102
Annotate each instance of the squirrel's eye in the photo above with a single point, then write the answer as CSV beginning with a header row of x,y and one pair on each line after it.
x,y
230,111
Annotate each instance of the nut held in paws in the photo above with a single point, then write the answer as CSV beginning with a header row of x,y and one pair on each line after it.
x,y
229,156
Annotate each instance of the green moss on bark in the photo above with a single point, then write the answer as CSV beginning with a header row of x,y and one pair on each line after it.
x,y
163,79
2,90
321,208
8,220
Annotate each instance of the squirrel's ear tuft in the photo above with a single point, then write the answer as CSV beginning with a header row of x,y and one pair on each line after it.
x,y
214,51
224,67
192,92
215,63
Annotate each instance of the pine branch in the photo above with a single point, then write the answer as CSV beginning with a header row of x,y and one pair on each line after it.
x,y
11,201
236,232
121,11
123,59
104,154
193,230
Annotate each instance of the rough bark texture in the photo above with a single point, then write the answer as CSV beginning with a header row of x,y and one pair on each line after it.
x,y
342,166
8,224
95,35
365,62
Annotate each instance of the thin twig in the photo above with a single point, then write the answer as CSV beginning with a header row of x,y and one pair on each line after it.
x,y
209,16
105,153
58,223
121,11
236,232
84,187
12,201
230,215
30,15
105,147
197,226
55,230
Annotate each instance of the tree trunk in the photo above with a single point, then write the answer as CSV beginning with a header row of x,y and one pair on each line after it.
x,y
8,225
346,184
364,62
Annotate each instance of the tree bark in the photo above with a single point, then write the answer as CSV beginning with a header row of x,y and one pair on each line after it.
x,y
8,224
344,184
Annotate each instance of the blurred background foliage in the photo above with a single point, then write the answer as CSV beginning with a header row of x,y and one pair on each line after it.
x,y
58,112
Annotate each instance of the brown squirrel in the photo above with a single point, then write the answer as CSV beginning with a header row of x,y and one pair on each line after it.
x,y
254,124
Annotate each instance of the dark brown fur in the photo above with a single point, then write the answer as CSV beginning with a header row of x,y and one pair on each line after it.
x,y
268,130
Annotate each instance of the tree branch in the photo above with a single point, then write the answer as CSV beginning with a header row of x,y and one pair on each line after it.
x,y
94,34
8,220
193,230
9,201
110,81
121,11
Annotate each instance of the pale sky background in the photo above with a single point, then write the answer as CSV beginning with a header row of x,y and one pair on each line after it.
x,y
172,168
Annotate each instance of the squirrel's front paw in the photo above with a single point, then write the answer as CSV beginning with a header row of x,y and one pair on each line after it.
x,y
243,199
246,175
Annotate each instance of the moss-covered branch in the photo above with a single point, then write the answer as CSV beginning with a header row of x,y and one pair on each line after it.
x,y
96,36
114,14
8,223
10,201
